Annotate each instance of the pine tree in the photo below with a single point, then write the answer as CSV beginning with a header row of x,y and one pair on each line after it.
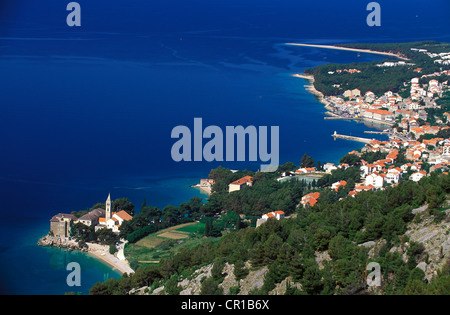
x,y
208,227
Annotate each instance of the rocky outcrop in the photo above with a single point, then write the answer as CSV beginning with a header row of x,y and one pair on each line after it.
x,y
253,281
230,279
280,288
322,257
435,237
192,286
61,242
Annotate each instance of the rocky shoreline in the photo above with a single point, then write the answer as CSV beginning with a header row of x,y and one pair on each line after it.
x,y
61,242
311,89
100,252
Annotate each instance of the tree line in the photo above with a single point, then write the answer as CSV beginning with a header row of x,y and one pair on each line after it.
x,y
288,247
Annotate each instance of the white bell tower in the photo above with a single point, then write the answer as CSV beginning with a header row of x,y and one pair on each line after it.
x,y
108,208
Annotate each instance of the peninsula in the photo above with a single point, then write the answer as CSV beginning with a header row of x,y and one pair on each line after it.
x,y
95,232
359,50
395,94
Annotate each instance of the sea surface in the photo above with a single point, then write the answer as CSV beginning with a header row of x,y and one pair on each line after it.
x,y
89,110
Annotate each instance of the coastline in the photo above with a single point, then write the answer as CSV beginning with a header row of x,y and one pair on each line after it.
x,y
113,261
100,252
321,98
349,49
310,88
203,189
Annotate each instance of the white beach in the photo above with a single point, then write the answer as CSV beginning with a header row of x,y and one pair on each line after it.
x,y
349,49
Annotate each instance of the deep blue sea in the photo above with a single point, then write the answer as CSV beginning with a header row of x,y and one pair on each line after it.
x,y
87,111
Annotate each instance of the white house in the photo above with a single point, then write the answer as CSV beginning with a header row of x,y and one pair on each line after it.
x,y
329,167
369,168
446,150
305,170
237,185
338,185
393,176
117,219
310,199
274,214
207,183
418,176
374,179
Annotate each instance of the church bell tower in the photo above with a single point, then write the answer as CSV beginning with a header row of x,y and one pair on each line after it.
x,y
108,208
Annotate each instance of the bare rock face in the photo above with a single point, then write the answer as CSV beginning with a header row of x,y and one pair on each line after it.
x,y
230,279
435,237
322,257
254,280
280,288
193,286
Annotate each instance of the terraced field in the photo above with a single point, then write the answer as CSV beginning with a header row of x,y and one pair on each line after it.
x,y
153,247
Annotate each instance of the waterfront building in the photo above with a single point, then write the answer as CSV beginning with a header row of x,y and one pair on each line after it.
x,y
378,114
207,183
98,218
238,184
60,224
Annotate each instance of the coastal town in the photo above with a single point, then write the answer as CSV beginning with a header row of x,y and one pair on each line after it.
x,y
417,145
418,141
424,146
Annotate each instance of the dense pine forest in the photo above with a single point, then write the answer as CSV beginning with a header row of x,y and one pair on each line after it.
x,y
378,79
288,246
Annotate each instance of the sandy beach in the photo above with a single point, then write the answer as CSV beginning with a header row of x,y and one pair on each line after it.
x,y
121,266
117,261
350,49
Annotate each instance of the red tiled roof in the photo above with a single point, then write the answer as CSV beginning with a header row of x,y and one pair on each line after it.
x,y
124,215
379,111
243,180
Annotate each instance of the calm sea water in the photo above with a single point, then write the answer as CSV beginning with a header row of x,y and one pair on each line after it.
x,y
88,111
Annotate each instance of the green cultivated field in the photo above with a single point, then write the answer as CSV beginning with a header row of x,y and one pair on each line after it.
x,y
161,244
